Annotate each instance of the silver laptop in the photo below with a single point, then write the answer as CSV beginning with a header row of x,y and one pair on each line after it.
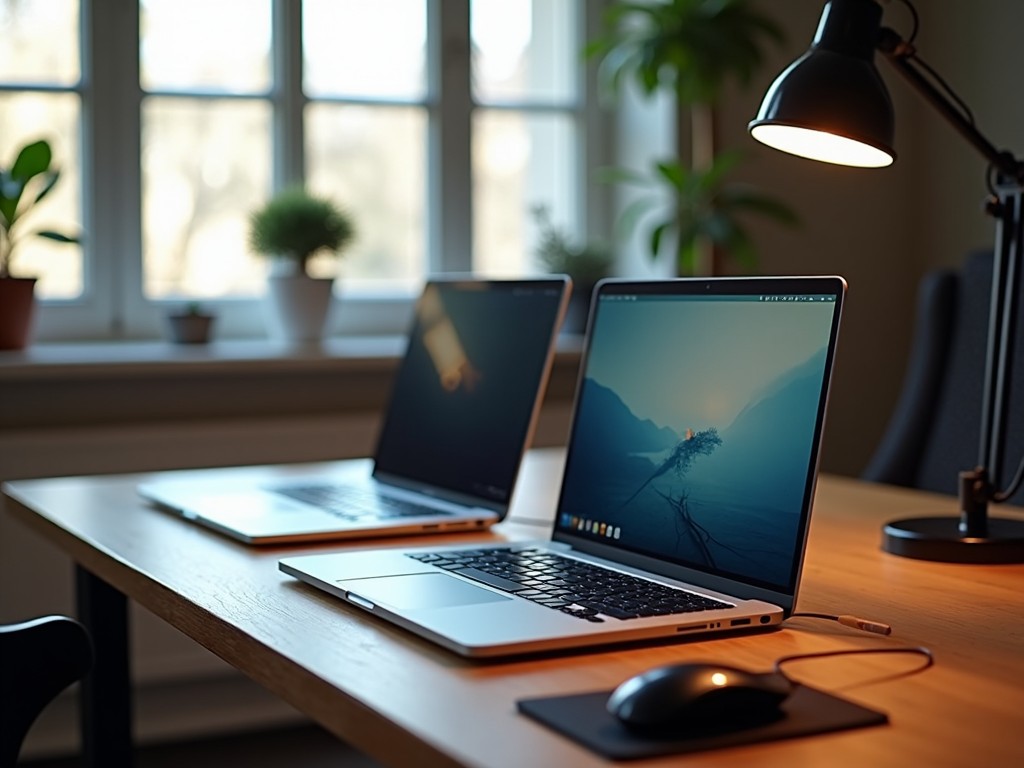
x,y
686,496
463,406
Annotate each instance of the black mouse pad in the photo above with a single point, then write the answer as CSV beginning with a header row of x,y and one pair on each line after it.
x,y
584,719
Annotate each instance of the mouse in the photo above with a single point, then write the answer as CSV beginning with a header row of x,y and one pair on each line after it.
x,y
674,695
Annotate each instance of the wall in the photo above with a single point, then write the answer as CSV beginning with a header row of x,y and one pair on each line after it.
x,y
975,47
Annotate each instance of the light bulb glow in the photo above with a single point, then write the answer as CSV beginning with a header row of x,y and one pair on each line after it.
x,y
822,146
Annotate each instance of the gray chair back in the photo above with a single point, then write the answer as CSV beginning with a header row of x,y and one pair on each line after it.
x,y
934,431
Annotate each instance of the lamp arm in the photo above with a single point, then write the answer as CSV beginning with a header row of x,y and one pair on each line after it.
x,y
900,55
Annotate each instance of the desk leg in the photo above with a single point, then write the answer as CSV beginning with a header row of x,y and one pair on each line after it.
x,y
106,695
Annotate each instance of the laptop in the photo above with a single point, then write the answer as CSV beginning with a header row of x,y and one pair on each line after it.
x,y
463,405
686,495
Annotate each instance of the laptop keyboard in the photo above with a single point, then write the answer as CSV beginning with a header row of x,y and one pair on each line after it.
x,y
577,588
354,504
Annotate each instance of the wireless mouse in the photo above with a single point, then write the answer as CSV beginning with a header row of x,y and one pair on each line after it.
x,y
679,693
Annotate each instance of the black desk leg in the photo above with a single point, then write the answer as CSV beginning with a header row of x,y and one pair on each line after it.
x,y
106,697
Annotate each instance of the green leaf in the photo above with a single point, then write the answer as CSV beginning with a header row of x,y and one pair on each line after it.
x,y
686,258
673,173
49,180
633,212
57,236
33,159
656,235
620,176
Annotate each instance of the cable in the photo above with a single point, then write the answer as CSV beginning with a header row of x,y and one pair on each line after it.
x,y
943,85
990,184
916,21
898,47
1014,486
915,649
854,622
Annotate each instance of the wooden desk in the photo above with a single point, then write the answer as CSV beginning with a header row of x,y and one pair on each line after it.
x,y
406,702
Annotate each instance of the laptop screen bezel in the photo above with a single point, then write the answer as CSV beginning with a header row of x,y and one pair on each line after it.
x,y
723,286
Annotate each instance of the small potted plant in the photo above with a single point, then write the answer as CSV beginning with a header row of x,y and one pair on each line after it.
x,y
190,326
22,186
290,229
585,264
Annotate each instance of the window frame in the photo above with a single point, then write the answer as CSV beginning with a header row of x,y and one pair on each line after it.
x,y
113,306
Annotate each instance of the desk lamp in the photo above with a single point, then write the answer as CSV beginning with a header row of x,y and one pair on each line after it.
x,y
832,105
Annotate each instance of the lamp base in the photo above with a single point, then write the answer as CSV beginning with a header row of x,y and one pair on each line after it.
x,y
940,539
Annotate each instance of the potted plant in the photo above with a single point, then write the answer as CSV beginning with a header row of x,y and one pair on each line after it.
x,y
22,186
585,264
692,49
290,229
190,326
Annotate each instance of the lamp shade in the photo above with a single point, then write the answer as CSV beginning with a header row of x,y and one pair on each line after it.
x,y
831,104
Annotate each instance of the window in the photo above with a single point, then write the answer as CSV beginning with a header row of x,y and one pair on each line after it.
x,y
437,123
40,97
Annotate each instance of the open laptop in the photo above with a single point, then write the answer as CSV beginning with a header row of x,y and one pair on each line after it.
x,y
464,402
686,495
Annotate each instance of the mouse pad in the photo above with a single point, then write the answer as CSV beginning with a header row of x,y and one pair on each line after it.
x,y
584,719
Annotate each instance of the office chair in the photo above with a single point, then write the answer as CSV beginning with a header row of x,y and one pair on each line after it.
x,y
38,660
934,430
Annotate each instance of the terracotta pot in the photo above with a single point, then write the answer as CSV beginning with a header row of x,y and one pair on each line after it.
x,y
17,307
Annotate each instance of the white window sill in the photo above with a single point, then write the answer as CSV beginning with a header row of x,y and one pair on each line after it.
x,y
142,358
139,358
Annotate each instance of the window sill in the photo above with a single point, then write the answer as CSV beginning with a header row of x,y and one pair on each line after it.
x,y
130,383
145,358
249,356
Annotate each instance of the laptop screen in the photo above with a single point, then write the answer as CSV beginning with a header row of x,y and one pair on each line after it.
x,y
698,420
464,396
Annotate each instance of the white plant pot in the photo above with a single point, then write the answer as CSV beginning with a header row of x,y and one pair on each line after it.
x,y
297,307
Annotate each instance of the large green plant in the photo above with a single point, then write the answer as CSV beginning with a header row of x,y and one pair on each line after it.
x,y
693,48
22,186
296,225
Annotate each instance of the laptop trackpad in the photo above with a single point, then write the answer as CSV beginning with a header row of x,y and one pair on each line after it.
x,y
419,590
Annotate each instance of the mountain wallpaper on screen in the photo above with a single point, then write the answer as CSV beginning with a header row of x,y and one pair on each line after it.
x,y
726,497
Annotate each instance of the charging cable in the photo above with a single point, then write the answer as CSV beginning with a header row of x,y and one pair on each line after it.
x,y
855,622
919,650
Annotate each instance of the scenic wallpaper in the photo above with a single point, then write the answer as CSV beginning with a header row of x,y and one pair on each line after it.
x,y
695,431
